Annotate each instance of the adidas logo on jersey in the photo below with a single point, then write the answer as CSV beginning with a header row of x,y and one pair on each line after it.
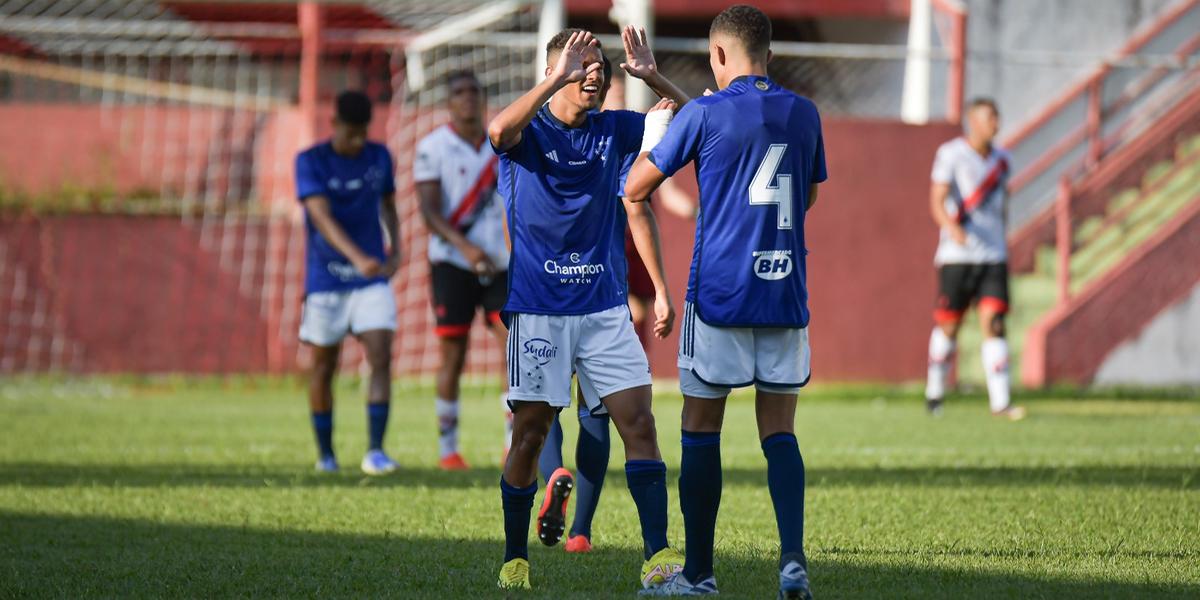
x,y
552,155
772,264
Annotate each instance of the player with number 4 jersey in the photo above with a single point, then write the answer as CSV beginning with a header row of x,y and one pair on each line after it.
x,y
759,154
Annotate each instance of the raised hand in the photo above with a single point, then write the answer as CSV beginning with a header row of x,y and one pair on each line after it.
x,y
639,60
569,68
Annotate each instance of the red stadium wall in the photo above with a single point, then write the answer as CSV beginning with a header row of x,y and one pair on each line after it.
x,y
146,294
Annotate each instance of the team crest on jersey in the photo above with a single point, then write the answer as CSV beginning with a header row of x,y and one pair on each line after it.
x,y
772,264
762,85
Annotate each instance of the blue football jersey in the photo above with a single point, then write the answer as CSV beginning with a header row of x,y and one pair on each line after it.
x,y
562,188
758,148
355,188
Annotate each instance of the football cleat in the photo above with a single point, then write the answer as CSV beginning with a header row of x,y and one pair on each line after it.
x,y
1012,413
327,464
377,463
680,586
552,517
578,544
661,567
514,575
934,407
793,580
453,462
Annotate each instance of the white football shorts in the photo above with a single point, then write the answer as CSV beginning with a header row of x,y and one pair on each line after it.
x,y
329,316
713,360
601,348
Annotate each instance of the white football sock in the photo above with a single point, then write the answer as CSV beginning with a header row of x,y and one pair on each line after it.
x,y
508,421
941,355
995,366
447,415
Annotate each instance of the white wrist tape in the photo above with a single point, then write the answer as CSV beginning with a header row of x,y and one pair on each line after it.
x,y
656,127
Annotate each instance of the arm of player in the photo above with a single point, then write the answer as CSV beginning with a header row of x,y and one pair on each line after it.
x,y
504,131
644,229
391,224
429,194
937,207
812,197
640,63
322,218
677,201
644,177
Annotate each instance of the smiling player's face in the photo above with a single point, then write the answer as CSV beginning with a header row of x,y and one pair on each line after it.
x,y
584,94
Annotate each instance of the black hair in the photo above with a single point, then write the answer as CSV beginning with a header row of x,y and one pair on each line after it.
x,y
353,108
747,24
455,76
559,41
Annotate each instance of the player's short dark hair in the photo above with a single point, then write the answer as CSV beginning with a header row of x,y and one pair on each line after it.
x,y
353,107
979,101
747,24
454,76
559,41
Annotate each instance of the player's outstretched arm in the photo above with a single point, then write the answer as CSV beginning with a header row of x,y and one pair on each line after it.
x,y
644,229
644,177
322,218
640,63
505,130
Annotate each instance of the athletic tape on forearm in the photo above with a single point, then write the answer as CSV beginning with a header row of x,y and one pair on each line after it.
x,y
656,127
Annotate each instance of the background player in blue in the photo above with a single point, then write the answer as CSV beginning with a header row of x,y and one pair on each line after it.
x,y
560,168
759,155
346,185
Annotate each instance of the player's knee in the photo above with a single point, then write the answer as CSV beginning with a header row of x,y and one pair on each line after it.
x,y
996,326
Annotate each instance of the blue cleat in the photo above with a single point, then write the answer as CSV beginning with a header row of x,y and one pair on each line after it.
x,y
327,464
793,579
377,463
678,585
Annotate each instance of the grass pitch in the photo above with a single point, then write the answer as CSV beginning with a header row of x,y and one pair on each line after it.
x,y
204,489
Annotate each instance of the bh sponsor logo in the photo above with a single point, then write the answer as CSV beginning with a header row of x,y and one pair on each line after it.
x,y
574,271
540,350
772,264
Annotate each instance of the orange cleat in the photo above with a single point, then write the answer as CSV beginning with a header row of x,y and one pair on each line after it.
x,y
578,544
552,517
453,462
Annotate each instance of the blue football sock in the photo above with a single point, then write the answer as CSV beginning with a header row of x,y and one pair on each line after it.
x,y
322,423
517,502
551,456
785,479
647,481
591,463
377,418
699,499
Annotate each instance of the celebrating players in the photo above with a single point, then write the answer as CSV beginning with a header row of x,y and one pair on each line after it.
x,y
559,173
346,185
970,177
455,175
759,155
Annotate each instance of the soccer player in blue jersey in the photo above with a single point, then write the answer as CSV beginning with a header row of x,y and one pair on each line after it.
x,y
759,155
560,175
346,185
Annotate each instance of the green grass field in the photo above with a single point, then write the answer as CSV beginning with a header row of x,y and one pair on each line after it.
x,y
170,488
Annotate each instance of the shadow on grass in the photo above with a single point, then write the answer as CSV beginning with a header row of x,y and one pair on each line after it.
x,y
68,556
50,475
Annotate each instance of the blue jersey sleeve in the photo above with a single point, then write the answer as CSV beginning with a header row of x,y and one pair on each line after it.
x,y
818,168
523,150
308,181
682,142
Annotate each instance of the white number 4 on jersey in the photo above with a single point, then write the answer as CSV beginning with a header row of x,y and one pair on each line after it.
x,y
780,194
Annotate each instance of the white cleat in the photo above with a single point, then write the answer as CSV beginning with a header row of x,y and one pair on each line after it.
x,y
377,463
